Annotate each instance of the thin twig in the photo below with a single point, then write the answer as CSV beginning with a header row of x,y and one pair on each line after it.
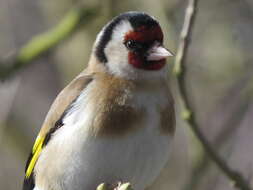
x,y
240,90
188,114
228,129
42,43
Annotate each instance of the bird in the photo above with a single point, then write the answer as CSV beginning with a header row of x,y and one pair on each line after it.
x,y
115,121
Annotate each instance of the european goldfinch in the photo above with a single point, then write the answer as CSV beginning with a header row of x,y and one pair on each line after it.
x,y
115,121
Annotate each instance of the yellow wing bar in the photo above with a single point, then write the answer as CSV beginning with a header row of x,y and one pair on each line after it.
x,y
37,147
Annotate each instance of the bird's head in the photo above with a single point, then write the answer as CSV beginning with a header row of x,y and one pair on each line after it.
x,y
131,45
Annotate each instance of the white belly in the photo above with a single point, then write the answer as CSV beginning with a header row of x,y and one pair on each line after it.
x,y
73,160
137,158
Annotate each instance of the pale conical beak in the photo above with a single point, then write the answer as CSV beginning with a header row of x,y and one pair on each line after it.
x,y
157,53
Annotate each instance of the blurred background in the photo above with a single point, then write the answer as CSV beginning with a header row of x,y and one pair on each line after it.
x,y
219,79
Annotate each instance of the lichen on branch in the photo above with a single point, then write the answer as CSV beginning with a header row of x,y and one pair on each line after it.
x,y
43,43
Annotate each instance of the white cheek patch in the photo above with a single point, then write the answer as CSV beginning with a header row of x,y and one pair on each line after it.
x,y
116,52
121,30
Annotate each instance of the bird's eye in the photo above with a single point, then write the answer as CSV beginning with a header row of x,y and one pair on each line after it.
x,y
133,45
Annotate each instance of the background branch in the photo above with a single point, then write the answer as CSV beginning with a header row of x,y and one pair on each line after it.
x,y
188,114
43,43
237,101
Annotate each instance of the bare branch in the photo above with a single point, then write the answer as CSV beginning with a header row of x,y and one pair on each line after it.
x,y
188,113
